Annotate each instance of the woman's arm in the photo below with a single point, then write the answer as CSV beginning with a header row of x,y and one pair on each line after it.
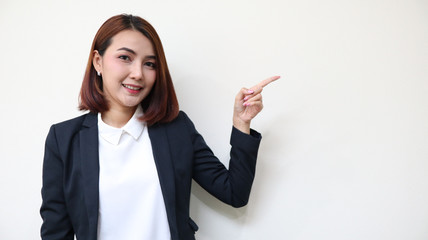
x,y
232,185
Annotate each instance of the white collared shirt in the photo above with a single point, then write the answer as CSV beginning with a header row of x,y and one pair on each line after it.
x,y
131,204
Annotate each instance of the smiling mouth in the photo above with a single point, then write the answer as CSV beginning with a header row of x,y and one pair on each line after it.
x,y
132,87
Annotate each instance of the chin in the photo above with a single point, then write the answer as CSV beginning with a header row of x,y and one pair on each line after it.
x,y
131,105
132,102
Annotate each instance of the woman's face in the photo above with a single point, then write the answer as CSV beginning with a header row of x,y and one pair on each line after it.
x,y
128,69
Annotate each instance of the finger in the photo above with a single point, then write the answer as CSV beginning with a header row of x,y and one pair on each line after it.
x,y
250,96
241,94
256,104
252,100
258,88
244,94
265,82
253,97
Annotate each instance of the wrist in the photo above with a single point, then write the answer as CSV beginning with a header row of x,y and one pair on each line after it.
x,y
241,125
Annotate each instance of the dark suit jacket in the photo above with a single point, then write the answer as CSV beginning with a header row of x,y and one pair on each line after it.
x,y
71,175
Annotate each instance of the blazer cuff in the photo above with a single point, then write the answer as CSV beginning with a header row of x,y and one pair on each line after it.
x,y
251,140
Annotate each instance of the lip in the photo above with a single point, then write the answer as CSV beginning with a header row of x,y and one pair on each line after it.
x,y
133,89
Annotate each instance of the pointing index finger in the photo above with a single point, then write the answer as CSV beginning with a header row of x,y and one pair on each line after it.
x,y
265,82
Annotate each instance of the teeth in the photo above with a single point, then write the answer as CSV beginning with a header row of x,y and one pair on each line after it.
x,y
131,87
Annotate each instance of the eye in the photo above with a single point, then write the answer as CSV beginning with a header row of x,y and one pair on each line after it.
x,y
151,65
125,58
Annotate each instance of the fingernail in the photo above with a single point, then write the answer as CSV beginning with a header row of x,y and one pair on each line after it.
x,y
246,104
250,91
246,98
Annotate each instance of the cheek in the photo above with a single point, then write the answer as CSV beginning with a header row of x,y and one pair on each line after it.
x,y
150,77
112,67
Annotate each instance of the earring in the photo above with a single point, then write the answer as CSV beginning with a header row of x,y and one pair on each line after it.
x,y
99,74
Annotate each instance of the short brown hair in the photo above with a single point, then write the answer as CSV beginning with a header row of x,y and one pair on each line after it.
x,y
161,104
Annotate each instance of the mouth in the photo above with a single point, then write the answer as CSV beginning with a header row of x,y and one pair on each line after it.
x,y
132,87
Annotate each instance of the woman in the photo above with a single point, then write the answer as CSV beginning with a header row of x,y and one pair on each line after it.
x,y
124,170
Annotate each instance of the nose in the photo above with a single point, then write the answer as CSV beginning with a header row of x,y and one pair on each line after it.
x,y
136,72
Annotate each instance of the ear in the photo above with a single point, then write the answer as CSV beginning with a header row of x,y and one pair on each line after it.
x,y
97,61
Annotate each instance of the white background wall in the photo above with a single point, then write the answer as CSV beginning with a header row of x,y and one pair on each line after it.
x,y
345,147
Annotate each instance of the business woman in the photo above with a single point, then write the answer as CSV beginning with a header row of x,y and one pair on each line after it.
x,y
124,170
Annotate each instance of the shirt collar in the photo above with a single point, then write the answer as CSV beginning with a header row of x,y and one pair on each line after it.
x,y
133,127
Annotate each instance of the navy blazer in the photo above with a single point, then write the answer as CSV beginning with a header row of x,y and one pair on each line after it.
x,y
71,175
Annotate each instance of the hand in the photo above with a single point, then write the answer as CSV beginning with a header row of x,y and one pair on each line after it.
x,y
248,103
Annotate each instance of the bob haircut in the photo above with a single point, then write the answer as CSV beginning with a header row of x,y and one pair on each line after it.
x,y
161,104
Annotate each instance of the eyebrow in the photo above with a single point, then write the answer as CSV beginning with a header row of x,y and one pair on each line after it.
x,y
127,49
133,52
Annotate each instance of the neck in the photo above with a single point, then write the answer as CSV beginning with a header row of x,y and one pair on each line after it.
x,y
118,117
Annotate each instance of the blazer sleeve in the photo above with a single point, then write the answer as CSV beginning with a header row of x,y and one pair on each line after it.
x,y
233,185
56,223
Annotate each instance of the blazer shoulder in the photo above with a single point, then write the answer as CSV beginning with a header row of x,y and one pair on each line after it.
x,y
75,124
179,119
181,124
182,118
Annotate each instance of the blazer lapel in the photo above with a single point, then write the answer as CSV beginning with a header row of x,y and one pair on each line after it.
x,y
165,168
90,169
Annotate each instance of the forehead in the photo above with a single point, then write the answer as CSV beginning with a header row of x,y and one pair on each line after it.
x,y
132,39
